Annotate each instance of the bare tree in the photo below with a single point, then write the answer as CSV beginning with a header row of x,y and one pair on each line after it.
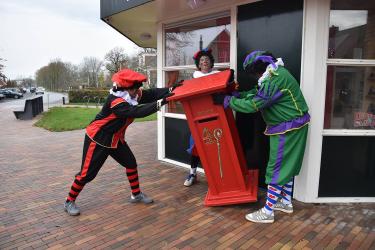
x,y
27,82
11,84
2,76
57,75
115,60
175,44
71,76
91,68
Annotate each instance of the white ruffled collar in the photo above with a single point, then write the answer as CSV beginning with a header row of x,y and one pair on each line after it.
x,y
125,95
270,70
198,74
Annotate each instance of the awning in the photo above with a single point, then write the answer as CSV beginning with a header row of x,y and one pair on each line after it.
x,y
135,19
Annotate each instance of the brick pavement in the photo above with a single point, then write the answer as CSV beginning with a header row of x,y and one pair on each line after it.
x,y
37,168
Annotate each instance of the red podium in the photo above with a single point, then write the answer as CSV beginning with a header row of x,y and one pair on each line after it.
x,y
216,138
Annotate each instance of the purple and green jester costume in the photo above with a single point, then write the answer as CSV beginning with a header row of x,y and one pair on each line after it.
x,y
279,99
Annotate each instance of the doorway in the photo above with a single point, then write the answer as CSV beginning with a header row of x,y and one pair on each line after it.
x,y
275,26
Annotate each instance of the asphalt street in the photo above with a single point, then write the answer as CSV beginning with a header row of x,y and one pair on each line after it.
x,y
50,99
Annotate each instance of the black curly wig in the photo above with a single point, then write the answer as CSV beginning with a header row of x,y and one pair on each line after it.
x,y
201,53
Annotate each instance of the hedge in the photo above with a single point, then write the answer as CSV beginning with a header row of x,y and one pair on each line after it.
x,y
79,96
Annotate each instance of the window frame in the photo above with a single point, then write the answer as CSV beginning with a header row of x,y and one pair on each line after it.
x,y
348,63
164,68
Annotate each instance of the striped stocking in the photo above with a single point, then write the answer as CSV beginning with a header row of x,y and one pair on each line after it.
x,y
132,175
286,194
76,188
273,193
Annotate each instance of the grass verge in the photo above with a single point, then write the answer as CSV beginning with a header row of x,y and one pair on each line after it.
x,y
59,119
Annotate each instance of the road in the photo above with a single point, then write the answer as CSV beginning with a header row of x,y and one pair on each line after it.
x,y
50,99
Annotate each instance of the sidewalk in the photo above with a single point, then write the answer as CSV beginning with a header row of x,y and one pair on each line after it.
x,y
37,168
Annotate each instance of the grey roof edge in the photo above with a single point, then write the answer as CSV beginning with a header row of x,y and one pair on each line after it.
x,y
112,7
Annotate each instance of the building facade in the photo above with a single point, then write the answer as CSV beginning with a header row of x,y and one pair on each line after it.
x,y
328,45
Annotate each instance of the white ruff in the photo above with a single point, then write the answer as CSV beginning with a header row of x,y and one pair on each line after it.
x,y
125,95
198,74
270,69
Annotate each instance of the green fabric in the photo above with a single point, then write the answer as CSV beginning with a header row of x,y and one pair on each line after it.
x,y
292,152
250,60
289,106
279,99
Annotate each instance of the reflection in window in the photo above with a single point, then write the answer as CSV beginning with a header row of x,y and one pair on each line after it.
x,y
350,98
173,77
351,34
182,42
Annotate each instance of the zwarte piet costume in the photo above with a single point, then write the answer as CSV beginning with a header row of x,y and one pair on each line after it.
x,y
105,135
204,62
280,100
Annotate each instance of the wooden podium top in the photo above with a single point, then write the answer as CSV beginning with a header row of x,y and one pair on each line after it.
x,y
205,85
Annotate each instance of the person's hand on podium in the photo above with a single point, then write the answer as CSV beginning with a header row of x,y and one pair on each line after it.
x,y
175,85
221,99
163,101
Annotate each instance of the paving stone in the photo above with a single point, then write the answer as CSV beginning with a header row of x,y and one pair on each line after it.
x,y
37,168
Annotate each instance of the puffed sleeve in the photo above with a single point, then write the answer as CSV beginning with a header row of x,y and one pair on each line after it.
x,y
256,99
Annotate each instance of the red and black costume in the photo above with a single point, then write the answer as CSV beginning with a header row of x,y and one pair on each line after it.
x,y
105,135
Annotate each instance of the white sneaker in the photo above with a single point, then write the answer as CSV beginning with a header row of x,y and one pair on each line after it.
x,y
141,197
286,208
71,208
190,180
260,217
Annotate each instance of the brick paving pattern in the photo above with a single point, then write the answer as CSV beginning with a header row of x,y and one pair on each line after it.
x,y
37,169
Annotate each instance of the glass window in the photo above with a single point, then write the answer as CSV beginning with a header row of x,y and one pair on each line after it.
x,y
351,29
182,42
350,101
350,98
348,166
173,77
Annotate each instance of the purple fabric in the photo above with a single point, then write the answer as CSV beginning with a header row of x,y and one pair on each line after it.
x,y
267,59
268,100
249,58
279,159
236,94
191,145
285,126
226,101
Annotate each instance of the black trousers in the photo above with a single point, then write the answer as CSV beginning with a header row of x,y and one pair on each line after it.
x,y
95,155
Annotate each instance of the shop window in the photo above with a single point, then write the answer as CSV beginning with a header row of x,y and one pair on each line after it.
x,y
173,77
351,30
350,86
183,41
348,163
350,98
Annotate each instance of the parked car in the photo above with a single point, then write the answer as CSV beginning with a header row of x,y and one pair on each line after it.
x,y
32,89
39,90
11,94
2,96
22,90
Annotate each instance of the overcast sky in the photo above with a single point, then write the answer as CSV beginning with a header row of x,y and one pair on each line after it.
x,y
346,19
33,32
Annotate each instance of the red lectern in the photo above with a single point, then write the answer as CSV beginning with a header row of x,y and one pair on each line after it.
x,y
217,141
